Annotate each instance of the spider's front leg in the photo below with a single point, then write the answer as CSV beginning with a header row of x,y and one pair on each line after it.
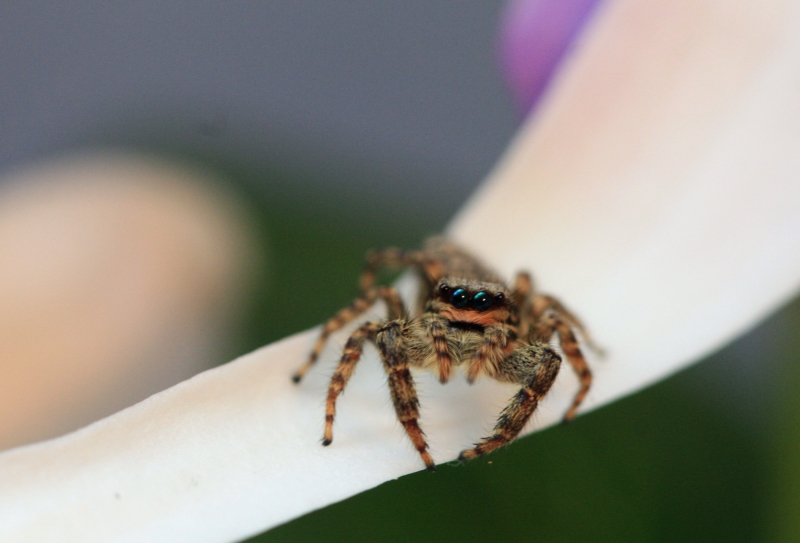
x,y
344,370
392,344
535,367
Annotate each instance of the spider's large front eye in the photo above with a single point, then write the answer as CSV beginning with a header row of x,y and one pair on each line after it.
x,y
459,299
481,301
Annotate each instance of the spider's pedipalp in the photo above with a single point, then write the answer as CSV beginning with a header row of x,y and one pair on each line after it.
x,y
489,353
444,360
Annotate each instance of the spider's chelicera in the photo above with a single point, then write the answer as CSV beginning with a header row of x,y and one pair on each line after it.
x,y
467,317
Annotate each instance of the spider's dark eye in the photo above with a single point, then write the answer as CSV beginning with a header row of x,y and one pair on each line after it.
x,y
499,297
459,299
444,289
481,301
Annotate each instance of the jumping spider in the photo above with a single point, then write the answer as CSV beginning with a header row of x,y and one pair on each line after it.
x,y
466,316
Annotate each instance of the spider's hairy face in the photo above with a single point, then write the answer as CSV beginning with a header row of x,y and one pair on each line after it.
x,y
468,300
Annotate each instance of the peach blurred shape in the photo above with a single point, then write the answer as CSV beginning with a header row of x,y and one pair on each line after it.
x,y
119,275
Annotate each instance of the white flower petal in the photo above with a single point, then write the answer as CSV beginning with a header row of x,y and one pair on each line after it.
x,y
657,193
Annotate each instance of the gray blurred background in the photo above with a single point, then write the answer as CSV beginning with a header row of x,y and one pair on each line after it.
x,y
398,99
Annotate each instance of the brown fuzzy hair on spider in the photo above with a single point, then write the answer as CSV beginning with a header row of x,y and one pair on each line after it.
x,y
465,317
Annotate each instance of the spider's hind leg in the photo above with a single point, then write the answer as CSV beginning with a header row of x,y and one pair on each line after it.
x,y
575,357
543,302
535,367
387,258
430,267
553,322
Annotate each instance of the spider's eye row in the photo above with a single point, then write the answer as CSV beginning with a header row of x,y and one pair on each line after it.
x,y
459,299
481,301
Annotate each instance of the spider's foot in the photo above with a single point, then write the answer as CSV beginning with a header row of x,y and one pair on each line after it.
x,y
467,454
430,465
570,415
301,372
327,436
594,347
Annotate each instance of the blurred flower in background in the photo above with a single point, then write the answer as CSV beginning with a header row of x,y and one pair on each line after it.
x,y
121,275
534,37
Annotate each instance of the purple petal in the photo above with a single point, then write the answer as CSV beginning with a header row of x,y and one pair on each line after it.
x,y
534,35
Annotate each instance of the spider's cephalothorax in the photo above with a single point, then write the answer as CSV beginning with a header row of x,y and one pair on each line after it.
x,y
465,316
